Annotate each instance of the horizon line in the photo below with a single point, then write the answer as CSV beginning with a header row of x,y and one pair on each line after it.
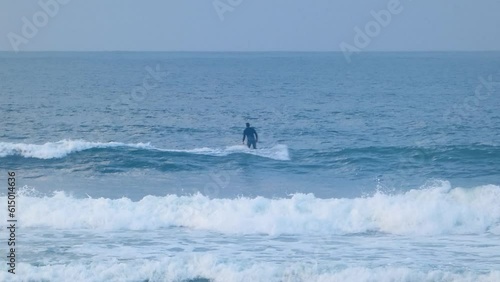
x,y
246,51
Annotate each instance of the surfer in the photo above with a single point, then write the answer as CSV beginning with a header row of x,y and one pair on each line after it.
x,y
251,136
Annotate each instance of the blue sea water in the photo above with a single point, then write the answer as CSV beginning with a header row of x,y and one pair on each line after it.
x,y
130,166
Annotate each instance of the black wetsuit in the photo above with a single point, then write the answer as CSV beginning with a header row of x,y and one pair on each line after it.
x,y
251,136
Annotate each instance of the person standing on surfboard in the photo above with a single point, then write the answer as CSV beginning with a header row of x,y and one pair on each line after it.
x,y
251,135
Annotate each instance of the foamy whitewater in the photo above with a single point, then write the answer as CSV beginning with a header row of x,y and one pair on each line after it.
x,y
62,148
359,175
427,211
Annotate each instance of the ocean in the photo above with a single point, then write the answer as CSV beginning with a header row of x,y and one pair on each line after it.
x,y
129,166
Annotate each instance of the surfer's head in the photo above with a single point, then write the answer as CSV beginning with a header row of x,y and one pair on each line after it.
x,y
248,124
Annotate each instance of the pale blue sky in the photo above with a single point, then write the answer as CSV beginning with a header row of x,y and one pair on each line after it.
x,y
253,25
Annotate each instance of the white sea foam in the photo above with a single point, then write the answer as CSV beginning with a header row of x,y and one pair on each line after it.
x,y
60,149
51,150
277,152
435,210
208,268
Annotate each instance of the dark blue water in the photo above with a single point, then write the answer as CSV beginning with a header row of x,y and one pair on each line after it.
x,y
396,148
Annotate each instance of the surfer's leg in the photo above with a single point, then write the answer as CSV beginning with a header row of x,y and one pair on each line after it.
x,y
254,144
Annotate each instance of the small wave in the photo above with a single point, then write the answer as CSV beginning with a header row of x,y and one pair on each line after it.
x,y
278,152
436,210
60,149
424,153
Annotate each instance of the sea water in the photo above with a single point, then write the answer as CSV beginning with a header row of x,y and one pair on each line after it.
x,y
131,167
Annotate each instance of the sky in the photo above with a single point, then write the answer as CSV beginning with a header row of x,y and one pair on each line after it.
x,y
249,25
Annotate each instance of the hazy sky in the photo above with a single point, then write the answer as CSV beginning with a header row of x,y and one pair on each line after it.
x,y
249,25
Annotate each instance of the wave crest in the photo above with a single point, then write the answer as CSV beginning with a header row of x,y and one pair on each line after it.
x,y
60,149
437,210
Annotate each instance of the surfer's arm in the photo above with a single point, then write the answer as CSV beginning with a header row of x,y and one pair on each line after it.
x,y
243,137
256,136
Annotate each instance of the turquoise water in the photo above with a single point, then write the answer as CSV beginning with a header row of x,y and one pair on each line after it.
x,y
132,168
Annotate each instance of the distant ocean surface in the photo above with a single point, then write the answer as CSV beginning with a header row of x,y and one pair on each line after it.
x,y
130,166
